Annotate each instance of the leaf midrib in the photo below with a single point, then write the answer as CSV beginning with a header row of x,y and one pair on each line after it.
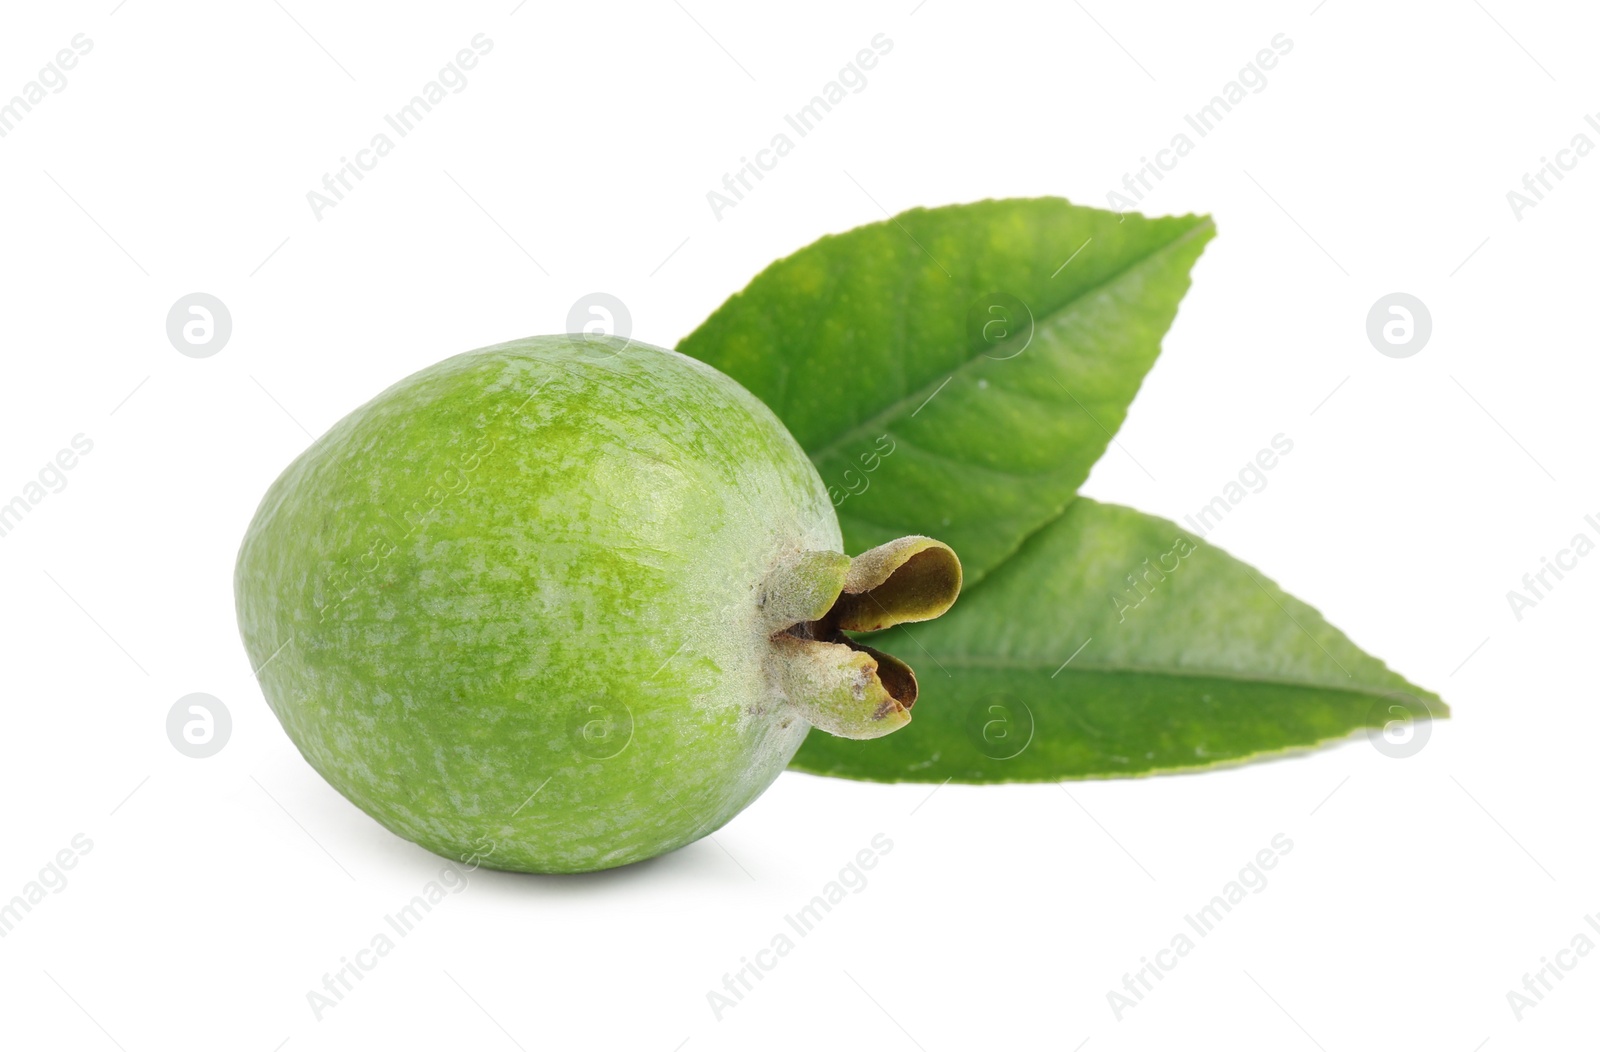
x,y
1003,665
895,408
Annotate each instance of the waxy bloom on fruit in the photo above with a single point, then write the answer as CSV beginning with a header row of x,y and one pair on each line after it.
x,y
567,603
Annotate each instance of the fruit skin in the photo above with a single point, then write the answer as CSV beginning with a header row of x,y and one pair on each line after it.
x,y
511,607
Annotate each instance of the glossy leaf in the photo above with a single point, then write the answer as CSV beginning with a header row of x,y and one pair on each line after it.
x,y
1116,643
956,371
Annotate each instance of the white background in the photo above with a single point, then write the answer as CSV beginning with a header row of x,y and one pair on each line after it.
x,y
1377,159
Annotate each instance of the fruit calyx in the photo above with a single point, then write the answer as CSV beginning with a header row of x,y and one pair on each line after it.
x,y
844,687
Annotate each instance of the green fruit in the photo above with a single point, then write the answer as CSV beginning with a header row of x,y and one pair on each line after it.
x,y
567,603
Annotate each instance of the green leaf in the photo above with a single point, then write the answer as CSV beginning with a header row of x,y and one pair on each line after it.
x,y
949,371
956,372
1116,643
